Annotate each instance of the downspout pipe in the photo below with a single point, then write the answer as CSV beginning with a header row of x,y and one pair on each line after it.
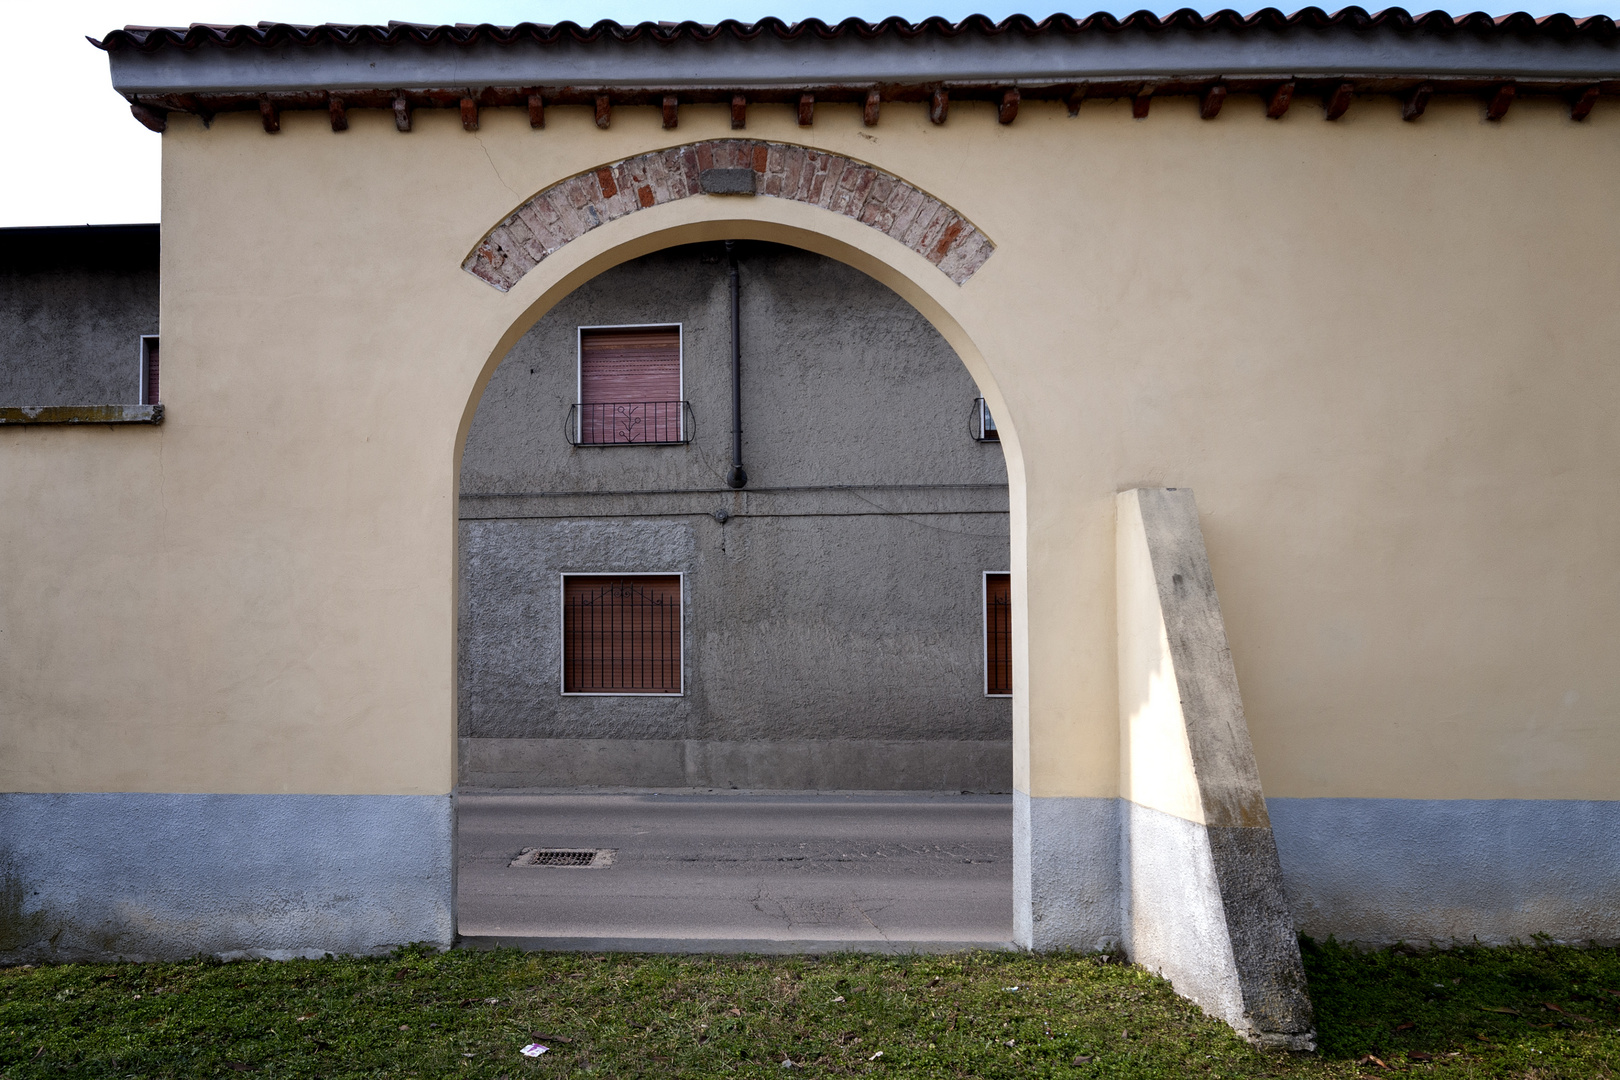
x,y
736,478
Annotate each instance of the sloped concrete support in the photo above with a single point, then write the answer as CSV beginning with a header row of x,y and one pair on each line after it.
x,y
1202,887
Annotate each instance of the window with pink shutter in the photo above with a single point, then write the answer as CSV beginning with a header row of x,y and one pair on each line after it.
x,y
630,385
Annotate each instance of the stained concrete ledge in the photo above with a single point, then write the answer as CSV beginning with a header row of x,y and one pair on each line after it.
x,y
13,415
140,876
823,764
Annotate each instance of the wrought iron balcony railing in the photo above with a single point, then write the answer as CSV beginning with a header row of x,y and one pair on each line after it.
x,y
630,423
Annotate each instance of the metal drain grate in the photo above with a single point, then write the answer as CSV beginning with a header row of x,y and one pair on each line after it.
x,y
577,858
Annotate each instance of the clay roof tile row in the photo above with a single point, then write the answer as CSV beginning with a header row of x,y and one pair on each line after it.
x,y
1350,19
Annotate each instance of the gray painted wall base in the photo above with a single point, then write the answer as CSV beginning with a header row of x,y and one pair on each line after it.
x,y
1205,911
817,765
1378,871
155,876
1066,873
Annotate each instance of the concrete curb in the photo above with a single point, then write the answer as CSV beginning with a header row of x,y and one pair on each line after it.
x,y
730,946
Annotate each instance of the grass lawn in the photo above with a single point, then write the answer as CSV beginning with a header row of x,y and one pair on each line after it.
x,y
1534,1012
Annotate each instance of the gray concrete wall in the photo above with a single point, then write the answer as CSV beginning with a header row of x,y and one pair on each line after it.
x,y
835,602
151,876
74,303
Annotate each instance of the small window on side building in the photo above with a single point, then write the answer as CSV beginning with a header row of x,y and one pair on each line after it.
x,y
981,424
149,370
630,387
997,635
621,634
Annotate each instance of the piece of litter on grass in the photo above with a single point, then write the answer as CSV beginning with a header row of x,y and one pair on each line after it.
x,y
492,1001
532,1050
875,1056
787,1063
466,1055
837,999
1082,1059
1010,1041
1010,989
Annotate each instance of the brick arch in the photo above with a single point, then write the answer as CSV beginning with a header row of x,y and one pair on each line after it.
x,y
570,208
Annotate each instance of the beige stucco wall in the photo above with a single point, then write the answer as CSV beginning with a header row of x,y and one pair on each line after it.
x,y
1382,353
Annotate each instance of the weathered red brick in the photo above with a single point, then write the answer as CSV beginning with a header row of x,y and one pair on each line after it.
x,y
566,214
672,177
829,181
794,165
531,244
969,253
876,213
481,270
689,170
905,202
928,224
604,177
942,246
775,165
814,177
850,197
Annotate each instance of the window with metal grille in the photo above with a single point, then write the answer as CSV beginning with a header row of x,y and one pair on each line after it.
x,y
629,386
997,634
621,634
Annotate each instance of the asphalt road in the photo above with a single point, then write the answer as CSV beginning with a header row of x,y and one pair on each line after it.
x,y
739,872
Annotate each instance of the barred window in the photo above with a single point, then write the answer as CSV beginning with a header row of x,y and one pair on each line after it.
x,y
629,386
997,634
621,634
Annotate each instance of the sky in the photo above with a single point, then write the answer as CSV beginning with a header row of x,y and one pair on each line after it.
x,y
77,156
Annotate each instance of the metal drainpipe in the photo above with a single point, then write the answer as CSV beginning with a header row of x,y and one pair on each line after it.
x,y
736,478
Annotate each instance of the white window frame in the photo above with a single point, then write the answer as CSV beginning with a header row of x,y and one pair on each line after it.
x,y
579,371
144,358
984,621
562,630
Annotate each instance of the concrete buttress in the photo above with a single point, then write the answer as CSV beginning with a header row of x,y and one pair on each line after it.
x,y
1201,883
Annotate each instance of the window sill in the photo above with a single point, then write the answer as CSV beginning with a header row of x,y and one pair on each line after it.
x,y
11,415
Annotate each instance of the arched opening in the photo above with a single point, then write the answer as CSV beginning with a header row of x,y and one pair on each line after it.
x,y
839,623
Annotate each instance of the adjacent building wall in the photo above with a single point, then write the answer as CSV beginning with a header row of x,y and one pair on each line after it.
x,y
833,609
74,303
